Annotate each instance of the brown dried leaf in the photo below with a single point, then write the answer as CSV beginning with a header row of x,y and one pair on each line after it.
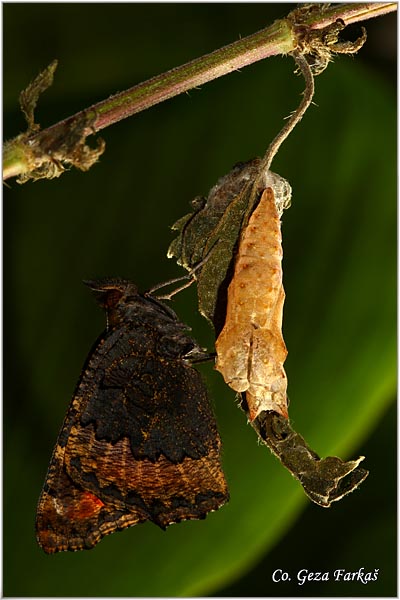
x,y
54,150
29,97
47,154
324,480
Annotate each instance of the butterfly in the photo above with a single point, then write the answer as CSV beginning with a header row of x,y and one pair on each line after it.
x,y
139,441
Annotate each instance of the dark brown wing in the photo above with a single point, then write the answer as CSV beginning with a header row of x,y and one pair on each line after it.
x,y
139,442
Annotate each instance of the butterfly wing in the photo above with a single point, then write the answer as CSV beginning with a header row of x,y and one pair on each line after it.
x,y
139,443
70,517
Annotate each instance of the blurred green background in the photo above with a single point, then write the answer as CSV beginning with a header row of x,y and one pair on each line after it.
x,y
340,279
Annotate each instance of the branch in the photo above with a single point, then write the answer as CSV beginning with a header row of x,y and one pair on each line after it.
x,y
47,153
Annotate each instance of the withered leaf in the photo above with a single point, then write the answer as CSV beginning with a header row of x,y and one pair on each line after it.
x,y
47,154
211,232
324,480
29,97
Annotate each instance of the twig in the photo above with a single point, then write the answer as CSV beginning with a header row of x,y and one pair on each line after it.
x,y
30,152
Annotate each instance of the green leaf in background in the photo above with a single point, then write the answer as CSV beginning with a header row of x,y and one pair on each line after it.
x,y
339,242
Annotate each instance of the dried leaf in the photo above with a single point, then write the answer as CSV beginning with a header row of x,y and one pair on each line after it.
x,y
47,154
324,480
211,233
54,150
29,97
319,45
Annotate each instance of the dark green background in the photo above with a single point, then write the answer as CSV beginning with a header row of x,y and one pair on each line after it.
x,y
340,279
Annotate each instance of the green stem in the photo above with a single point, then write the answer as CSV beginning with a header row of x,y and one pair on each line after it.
x,y
279,38
352,13
276,39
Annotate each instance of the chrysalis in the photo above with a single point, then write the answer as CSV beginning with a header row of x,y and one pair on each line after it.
x,y
250,348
